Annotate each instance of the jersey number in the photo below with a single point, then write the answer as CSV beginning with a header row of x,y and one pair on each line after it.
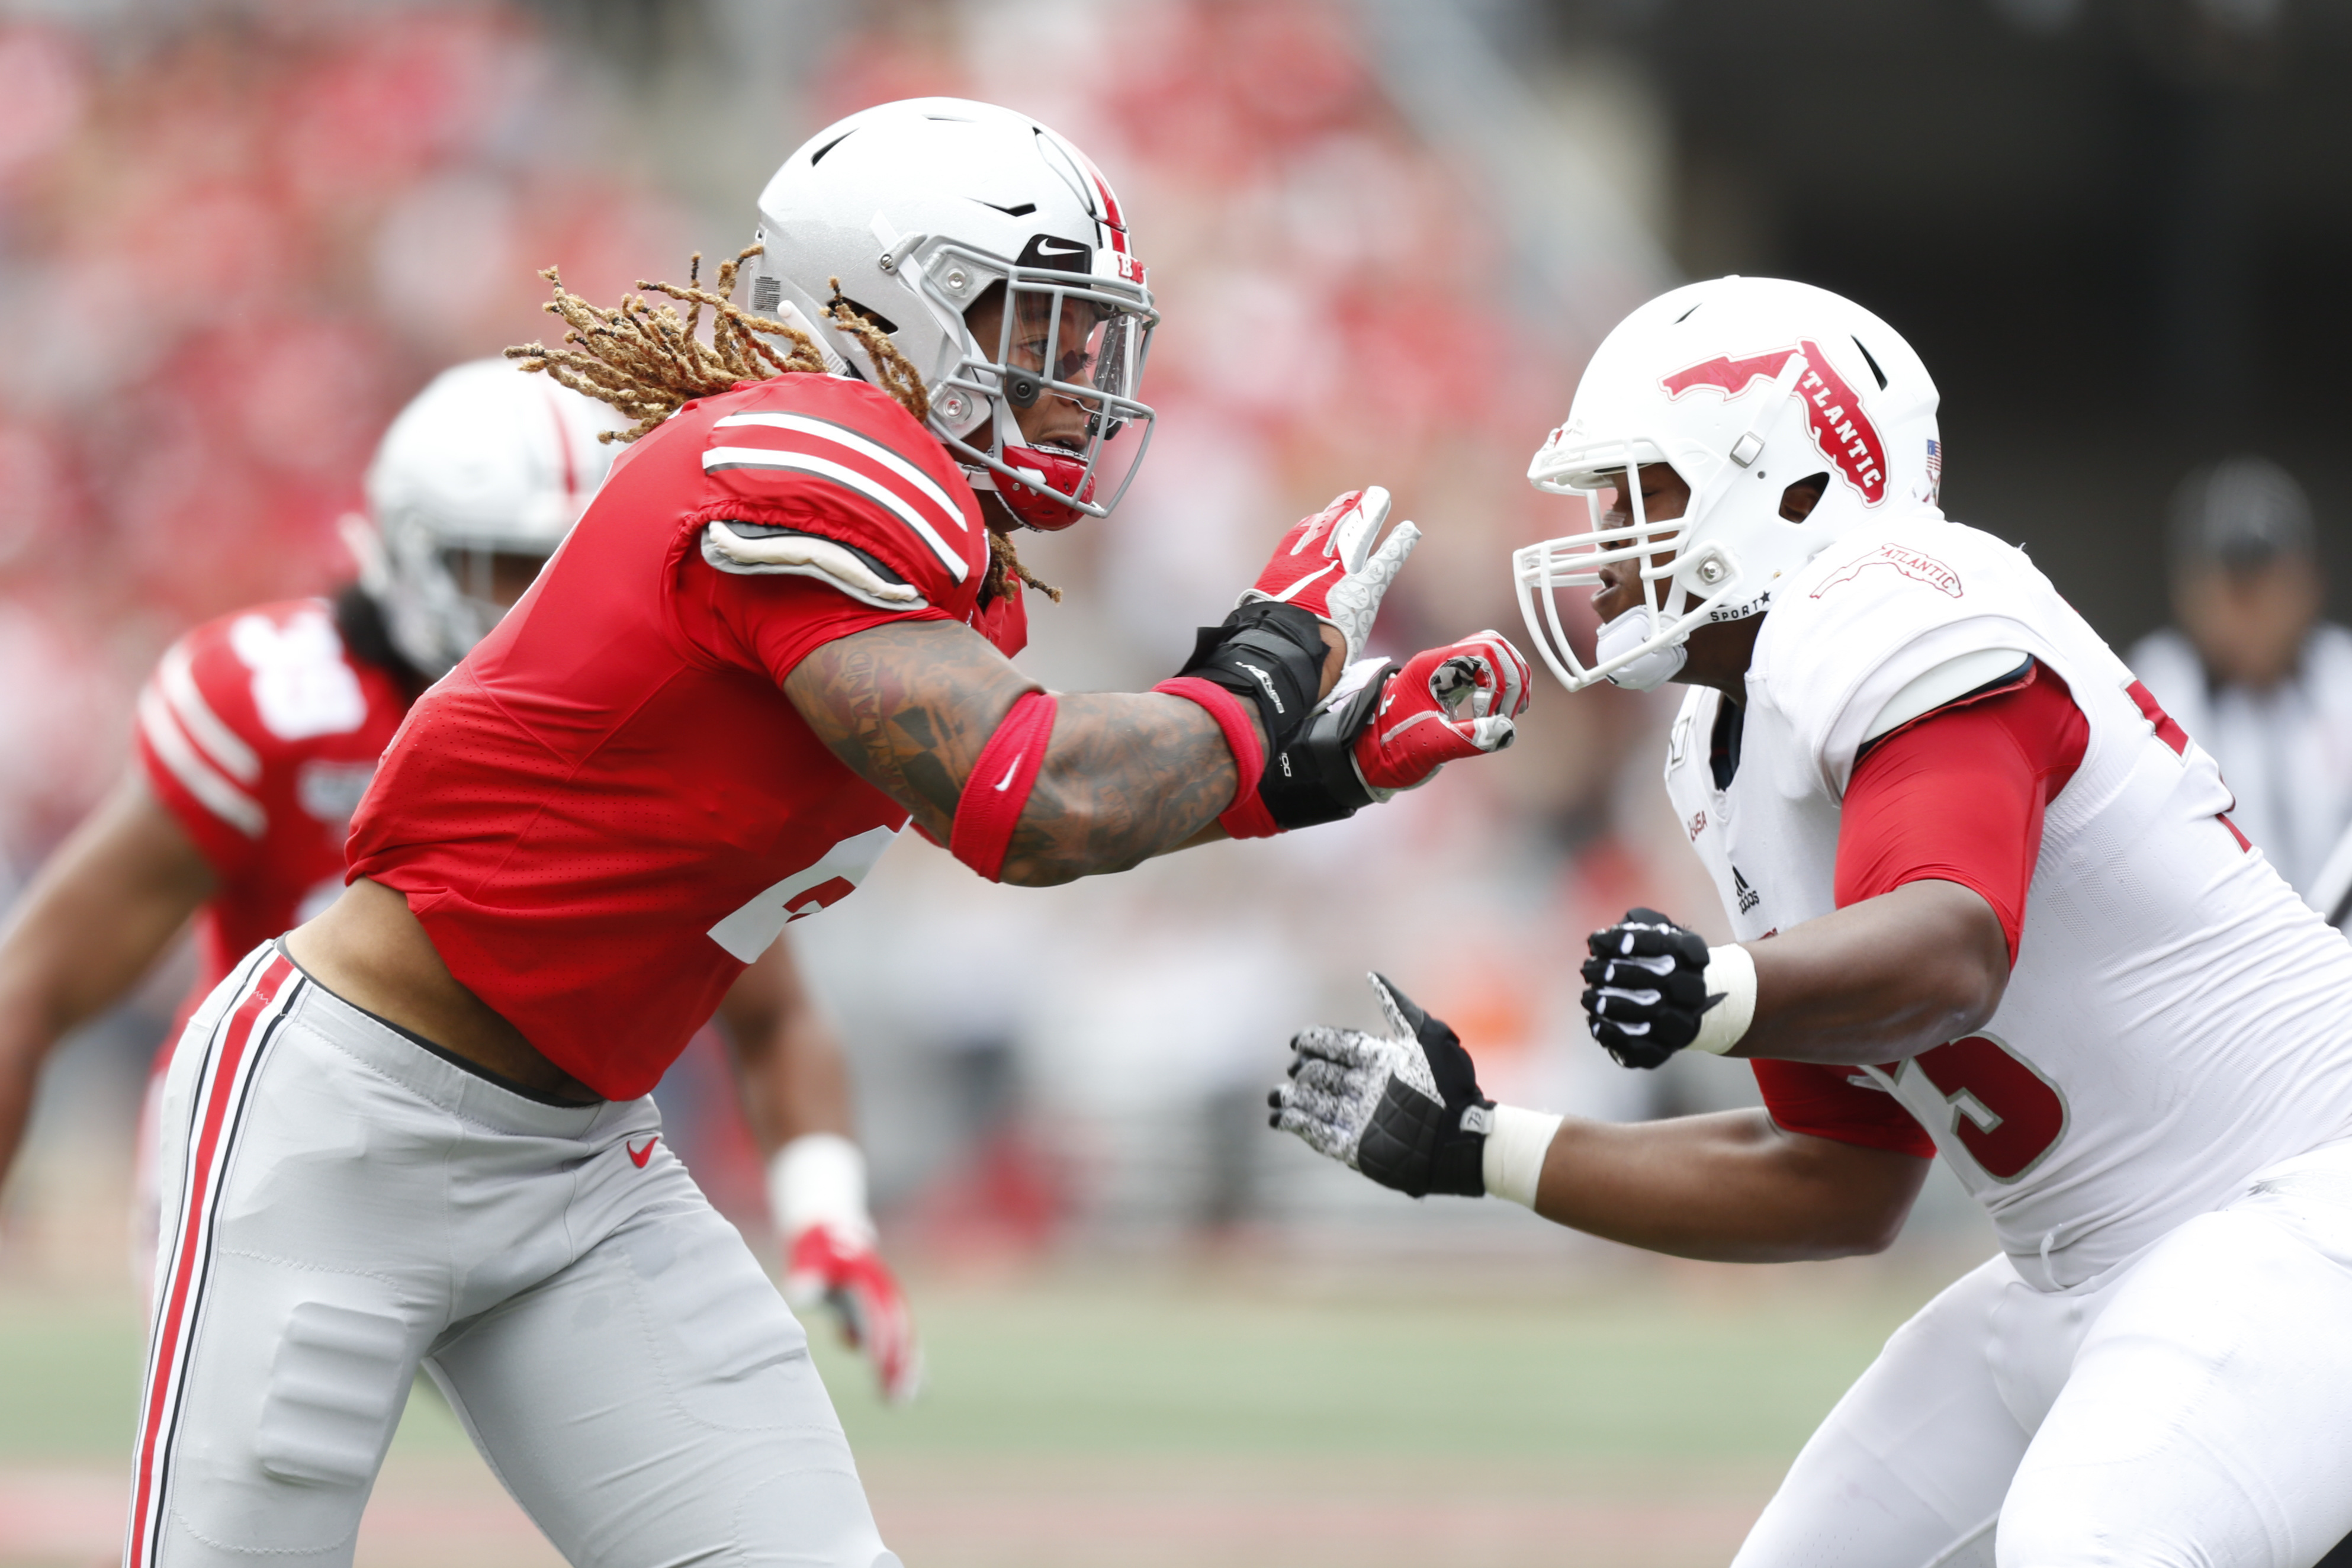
x,y
2008,1116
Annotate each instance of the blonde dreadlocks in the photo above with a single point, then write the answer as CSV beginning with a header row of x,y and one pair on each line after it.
x,y
648,361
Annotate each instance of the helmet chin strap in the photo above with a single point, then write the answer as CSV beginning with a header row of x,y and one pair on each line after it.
x,y
1644,672
1751,446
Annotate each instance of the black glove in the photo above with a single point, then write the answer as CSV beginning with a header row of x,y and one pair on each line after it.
x,y
1404,1108
1646,987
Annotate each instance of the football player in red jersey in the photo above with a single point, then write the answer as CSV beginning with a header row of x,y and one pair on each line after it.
x,y
414,1133
256,735
1990,907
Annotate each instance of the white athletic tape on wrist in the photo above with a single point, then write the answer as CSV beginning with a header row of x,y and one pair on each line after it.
x,y
819,1179
1732,972
1514,1156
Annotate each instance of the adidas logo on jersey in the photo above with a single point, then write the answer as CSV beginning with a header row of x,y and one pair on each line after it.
x,y
1749,897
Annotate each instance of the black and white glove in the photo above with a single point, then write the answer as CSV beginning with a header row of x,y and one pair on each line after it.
x,y
1653,988
1403,1108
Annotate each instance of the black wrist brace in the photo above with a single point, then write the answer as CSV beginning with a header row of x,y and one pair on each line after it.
x,y
1314,779
1270,655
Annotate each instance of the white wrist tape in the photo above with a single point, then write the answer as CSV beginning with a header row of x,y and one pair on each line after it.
x,y
1514,1156
819,1179
1730,971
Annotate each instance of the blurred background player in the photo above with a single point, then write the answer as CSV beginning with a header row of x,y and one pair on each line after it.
x,y
2251,670
256,736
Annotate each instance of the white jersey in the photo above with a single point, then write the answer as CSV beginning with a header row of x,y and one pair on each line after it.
x,y
2177,1017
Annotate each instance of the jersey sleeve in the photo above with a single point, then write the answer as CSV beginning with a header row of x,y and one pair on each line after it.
x,y
1958,796
1825,1101
770,624
827,478
1875,612
205,770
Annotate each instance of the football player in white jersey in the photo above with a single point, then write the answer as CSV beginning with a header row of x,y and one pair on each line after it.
x,y
1990,905
258,734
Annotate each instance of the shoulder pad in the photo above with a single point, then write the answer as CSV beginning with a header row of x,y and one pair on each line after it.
x,y
834,459
1947,682
753,549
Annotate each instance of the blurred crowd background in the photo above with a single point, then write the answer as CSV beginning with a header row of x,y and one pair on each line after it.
x,y
1385,235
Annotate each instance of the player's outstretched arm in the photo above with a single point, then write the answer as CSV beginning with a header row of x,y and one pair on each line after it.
x,y
1731,1187
99,912
911,705
1404,1108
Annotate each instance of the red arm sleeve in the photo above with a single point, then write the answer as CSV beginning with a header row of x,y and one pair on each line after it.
x,y
1958,796
1822,1101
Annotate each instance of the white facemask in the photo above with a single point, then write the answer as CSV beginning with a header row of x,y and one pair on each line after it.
x,y
1630,630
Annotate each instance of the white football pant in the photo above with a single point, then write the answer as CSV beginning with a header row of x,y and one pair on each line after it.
x,y
2191,1407
340,1204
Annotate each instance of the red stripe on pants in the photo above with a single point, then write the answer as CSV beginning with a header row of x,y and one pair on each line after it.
x,y
202,1171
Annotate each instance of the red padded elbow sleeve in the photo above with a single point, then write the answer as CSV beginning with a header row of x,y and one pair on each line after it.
x,y
990,807
1958,796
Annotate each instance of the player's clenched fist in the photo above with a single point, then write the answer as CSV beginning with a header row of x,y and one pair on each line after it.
x,y
1403,1108
1458,700
1653,988
1327,566
840,1268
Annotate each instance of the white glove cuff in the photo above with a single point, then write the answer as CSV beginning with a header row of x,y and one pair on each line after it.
x,y
1732,972
819,1179
1514,1156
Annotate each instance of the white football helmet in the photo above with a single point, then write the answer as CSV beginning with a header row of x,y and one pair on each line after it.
x,y
1745,386
486,461
921,207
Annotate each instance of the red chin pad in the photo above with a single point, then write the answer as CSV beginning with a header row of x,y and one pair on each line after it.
x,y
1063,470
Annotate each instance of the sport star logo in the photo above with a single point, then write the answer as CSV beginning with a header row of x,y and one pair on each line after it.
x,y
1915,564
1841,429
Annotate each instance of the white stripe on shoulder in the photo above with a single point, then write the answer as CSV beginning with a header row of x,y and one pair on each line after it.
x,y
864,446
718,457
219,797
217,741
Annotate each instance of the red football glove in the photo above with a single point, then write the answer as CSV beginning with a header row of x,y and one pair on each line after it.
x,y
1446,703
1326,564
829,1265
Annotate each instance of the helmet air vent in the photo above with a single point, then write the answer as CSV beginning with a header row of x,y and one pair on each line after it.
x,y
1873,363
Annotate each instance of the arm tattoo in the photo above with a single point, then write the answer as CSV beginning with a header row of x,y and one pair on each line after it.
x,y
909,705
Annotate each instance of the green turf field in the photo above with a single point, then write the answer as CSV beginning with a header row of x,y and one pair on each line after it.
x,y
1158,1418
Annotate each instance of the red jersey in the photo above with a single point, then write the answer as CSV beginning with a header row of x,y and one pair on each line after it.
x,y
610,808
259,732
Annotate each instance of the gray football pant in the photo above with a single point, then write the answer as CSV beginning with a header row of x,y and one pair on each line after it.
x,y
341,1205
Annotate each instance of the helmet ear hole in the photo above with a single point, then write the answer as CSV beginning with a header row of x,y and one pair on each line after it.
x,y
1797,501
